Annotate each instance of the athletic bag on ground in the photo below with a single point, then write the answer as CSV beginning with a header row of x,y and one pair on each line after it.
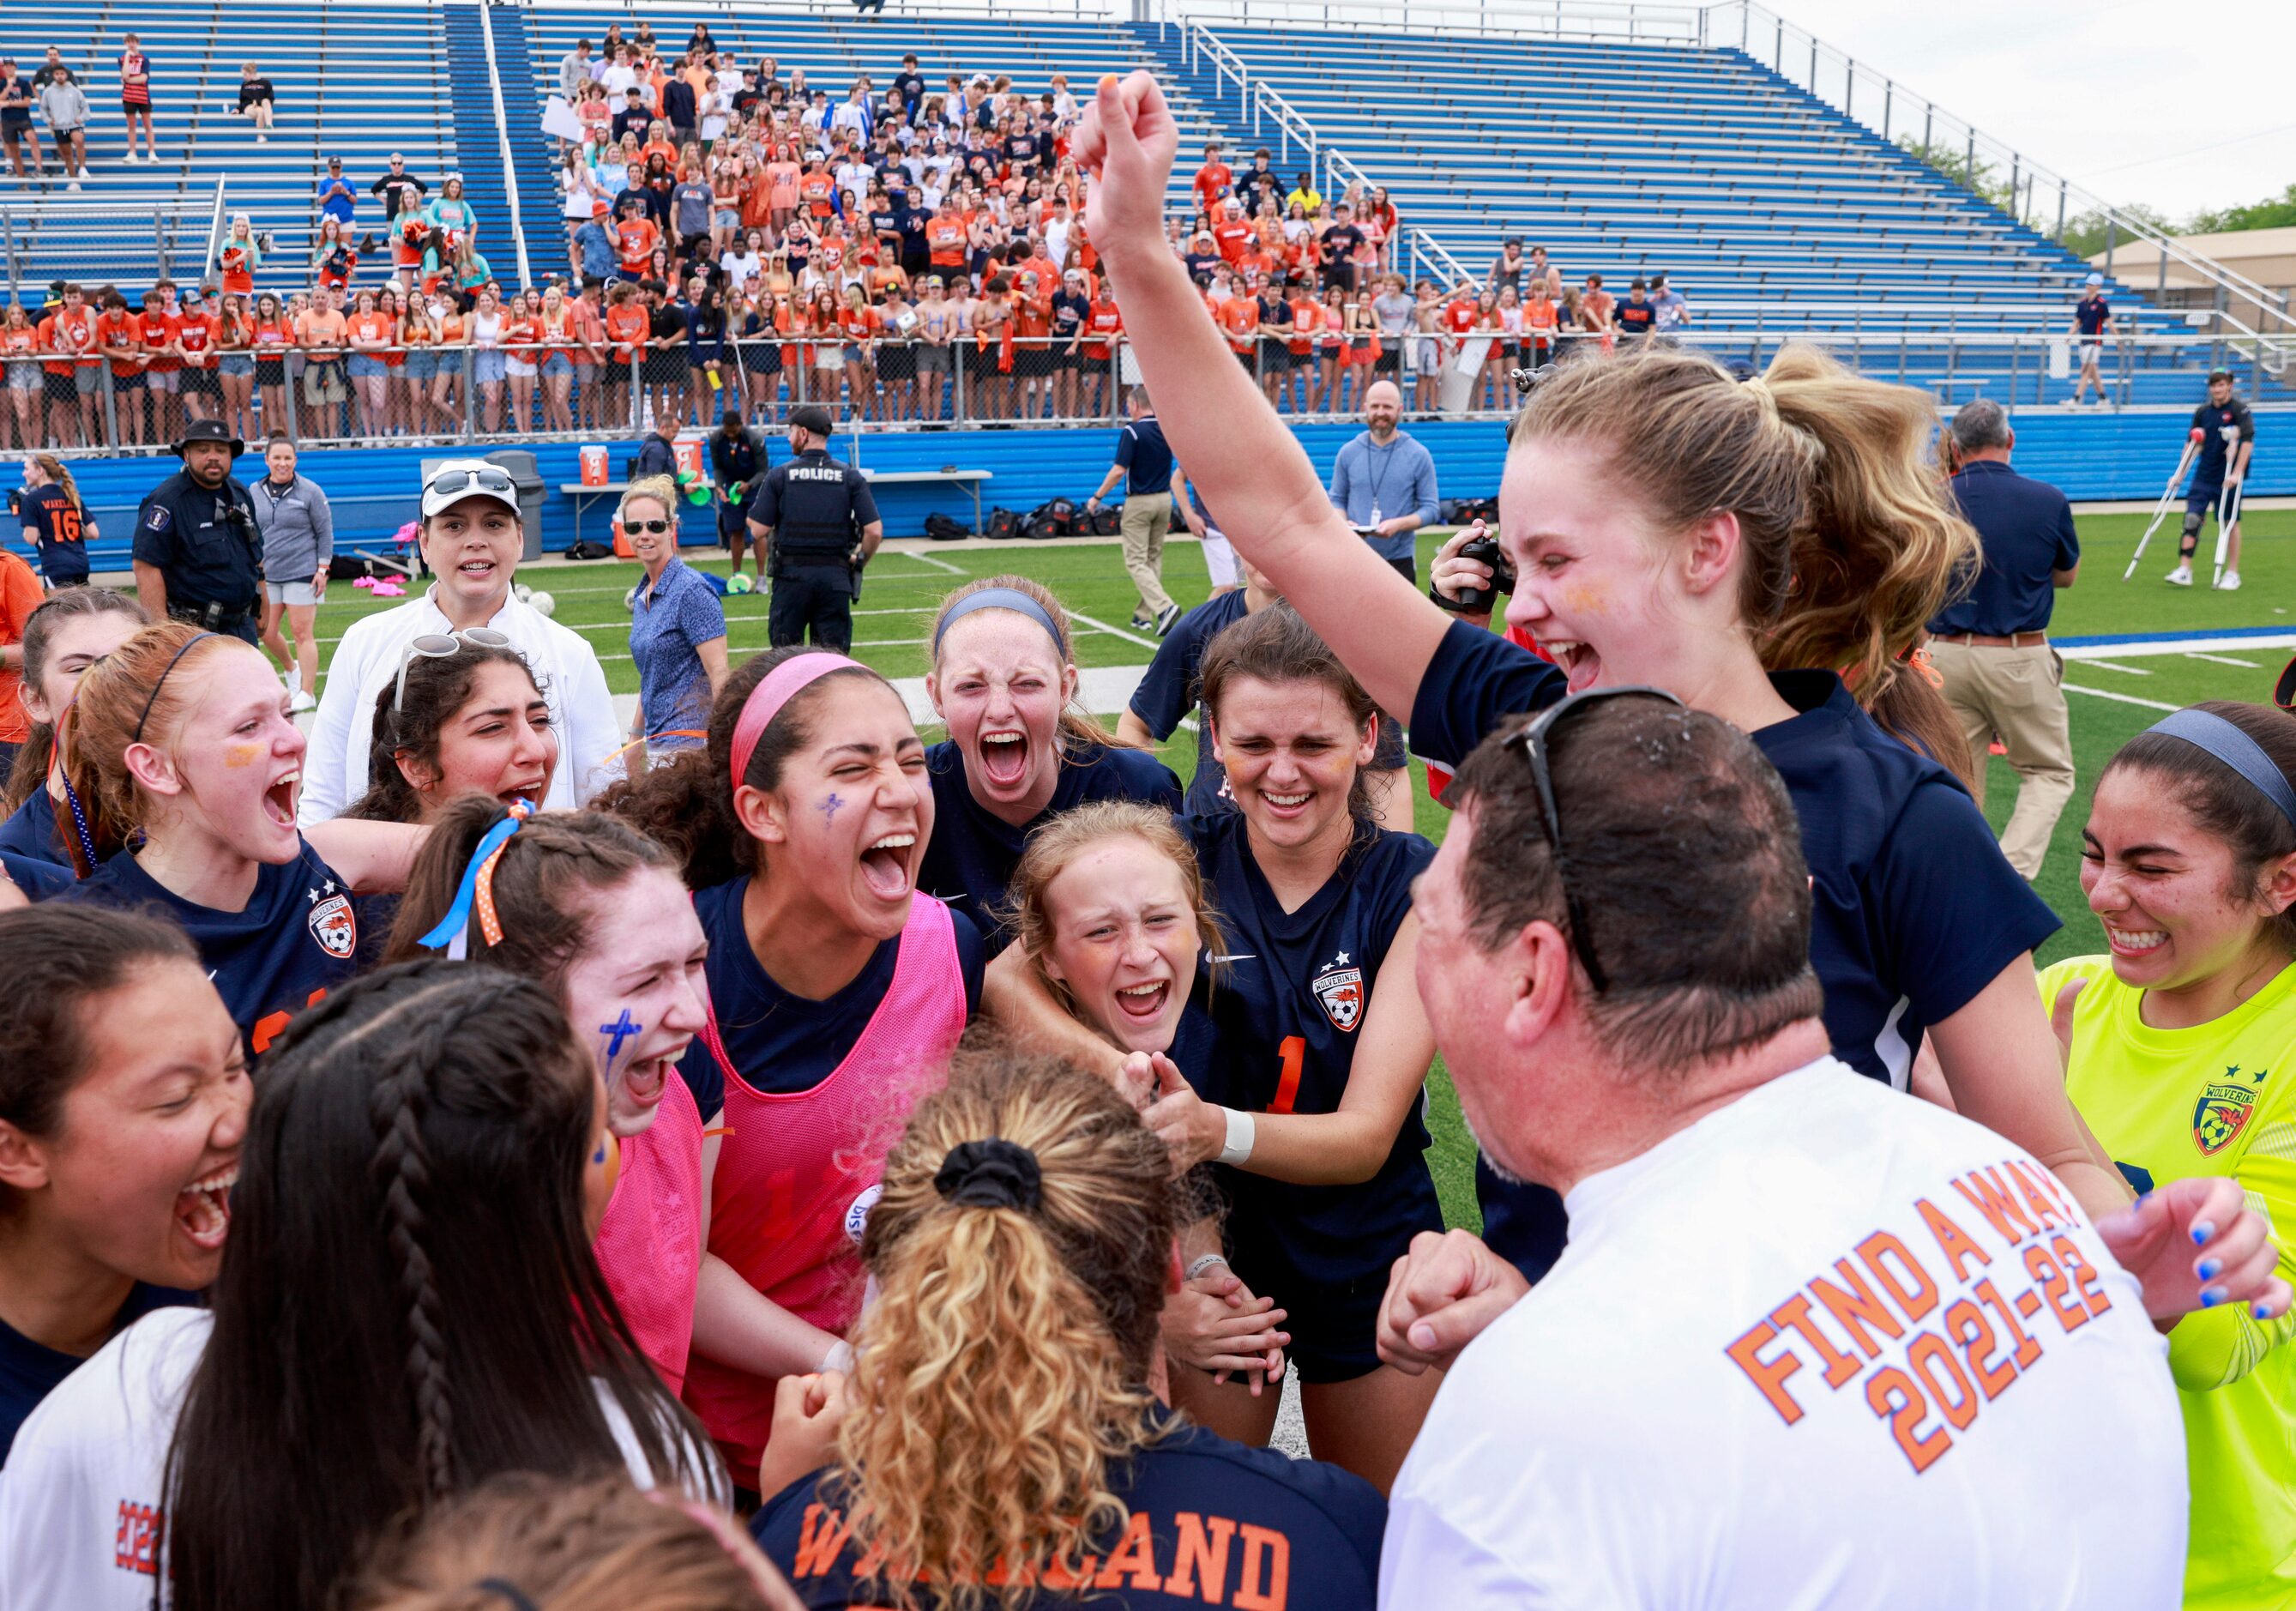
x,y
942,529
1106,520
1469,510
1049,520
1004,525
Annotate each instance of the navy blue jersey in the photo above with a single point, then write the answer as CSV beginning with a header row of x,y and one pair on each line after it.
x,y
298,938
31,831
1286,1017
40,880
970,859
1172,689
1913,910
1211,1522
59,531
2212,420
29,1371
783,1043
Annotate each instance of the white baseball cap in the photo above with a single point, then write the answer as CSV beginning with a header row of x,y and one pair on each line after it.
x,y
453,479
2096,279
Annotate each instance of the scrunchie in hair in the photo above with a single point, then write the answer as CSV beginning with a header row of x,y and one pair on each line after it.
x,y
993,1173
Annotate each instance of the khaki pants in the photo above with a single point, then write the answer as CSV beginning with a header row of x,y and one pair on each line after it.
x,y
2016,694
1147,517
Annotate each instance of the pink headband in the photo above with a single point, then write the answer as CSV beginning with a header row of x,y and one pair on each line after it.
x,y
775,689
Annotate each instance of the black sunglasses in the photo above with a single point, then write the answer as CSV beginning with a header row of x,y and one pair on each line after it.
x,y
635,527
460,480
1534,740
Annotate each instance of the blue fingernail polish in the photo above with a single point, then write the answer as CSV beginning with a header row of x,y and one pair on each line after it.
x,y
2210,1297
2138,1207
2202,1229
2262,1312
2208,1270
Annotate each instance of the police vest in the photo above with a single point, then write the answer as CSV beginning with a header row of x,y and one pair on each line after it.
x,y
817,510
214,561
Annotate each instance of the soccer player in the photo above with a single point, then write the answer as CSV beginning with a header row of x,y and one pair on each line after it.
x,y
2227,432
2179,1043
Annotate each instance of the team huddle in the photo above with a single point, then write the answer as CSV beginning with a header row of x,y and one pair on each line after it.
x,y
482,1186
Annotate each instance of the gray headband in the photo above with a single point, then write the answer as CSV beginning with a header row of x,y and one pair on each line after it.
x,y
1000,598
2211,733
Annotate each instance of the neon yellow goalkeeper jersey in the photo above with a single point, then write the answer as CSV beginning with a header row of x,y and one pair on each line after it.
x,y
2211,1100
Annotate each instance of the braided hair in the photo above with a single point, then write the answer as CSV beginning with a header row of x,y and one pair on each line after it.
x,y
412,1304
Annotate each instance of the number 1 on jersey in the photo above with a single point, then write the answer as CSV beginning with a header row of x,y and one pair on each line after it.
x,y
1293,1052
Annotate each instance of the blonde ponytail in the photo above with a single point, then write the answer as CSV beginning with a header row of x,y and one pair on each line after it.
x,y
1003,1368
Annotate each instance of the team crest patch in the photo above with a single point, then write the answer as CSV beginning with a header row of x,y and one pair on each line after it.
x,y
1340,988
333,925
2224,1109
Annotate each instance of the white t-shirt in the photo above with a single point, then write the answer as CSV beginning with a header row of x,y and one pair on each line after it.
x,y
80,1495
589,738
1648,1428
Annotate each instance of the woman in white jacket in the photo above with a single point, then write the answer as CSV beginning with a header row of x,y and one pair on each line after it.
x,y
471,540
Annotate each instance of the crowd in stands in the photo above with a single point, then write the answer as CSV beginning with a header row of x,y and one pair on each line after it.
x,y
736,235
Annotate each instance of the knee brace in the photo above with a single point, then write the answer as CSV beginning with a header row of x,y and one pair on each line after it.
x,y
2189,541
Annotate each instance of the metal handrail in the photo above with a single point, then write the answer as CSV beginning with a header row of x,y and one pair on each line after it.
x,y
502,135
1628,20
1826,65
213,248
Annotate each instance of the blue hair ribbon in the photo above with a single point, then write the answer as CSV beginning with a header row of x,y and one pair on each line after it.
x,y
454,930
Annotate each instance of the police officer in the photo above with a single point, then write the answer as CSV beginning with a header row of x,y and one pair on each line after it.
x,y
198,552
813,510
737,459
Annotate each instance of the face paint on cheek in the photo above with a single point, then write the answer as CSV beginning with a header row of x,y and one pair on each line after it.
x,y
829,809
1586,601
241,754
621,1028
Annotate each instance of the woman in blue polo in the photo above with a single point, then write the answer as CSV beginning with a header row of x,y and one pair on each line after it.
x,y
678,626
1018,749
1769,551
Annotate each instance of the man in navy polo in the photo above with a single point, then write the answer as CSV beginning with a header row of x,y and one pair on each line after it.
x,y
1992,645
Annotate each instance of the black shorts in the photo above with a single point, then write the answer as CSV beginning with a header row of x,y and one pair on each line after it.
x,y
896,361
271,372
200,383
1333,1315
663,367
127,382
128,109
1391,357
2202,500
761,357
1274,357
980,360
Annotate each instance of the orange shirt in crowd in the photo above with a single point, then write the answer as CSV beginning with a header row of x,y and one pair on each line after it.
x,y
116,331
20,594
1461,316
627,322
781,185
1103,322
370,327
1234,237
818,192
321,333
589,331
68,330
1214,179
238,277
945,239
1240,317
156,328
199,332
1306,319
636,238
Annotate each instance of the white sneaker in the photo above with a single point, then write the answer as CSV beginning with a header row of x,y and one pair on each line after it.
x,y
2181,576
302,702
73,186
2230,583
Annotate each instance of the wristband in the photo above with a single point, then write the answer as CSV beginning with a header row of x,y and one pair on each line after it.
x,y
1237,1149
1197,1266
840,1357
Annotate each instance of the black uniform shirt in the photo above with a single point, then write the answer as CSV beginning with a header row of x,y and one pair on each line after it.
x,y
817,506
184,529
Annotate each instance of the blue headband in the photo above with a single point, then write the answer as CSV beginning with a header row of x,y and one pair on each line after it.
x,y
1000,598
2213,734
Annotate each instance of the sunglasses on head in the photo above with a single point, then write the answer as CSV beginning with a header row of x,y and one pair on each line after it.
x,y
1535,740
465,481
635,527
442,645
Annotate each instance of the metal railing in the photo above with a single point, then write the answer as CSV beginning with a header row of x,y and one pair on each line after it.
x,y
1992,168
1616,20
461,393
502,135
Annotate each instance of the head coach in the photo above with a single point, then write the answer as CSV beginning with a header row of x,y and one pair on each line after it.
x,y
1811,1342
1991,643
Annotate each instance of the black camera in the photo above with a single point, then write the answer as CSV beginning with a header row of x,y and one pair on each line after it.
x,y
15,501
1479,601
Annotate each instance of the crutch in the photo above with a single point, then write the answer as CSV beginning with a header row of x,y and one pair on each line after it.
x,y
2227,500
2161,510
